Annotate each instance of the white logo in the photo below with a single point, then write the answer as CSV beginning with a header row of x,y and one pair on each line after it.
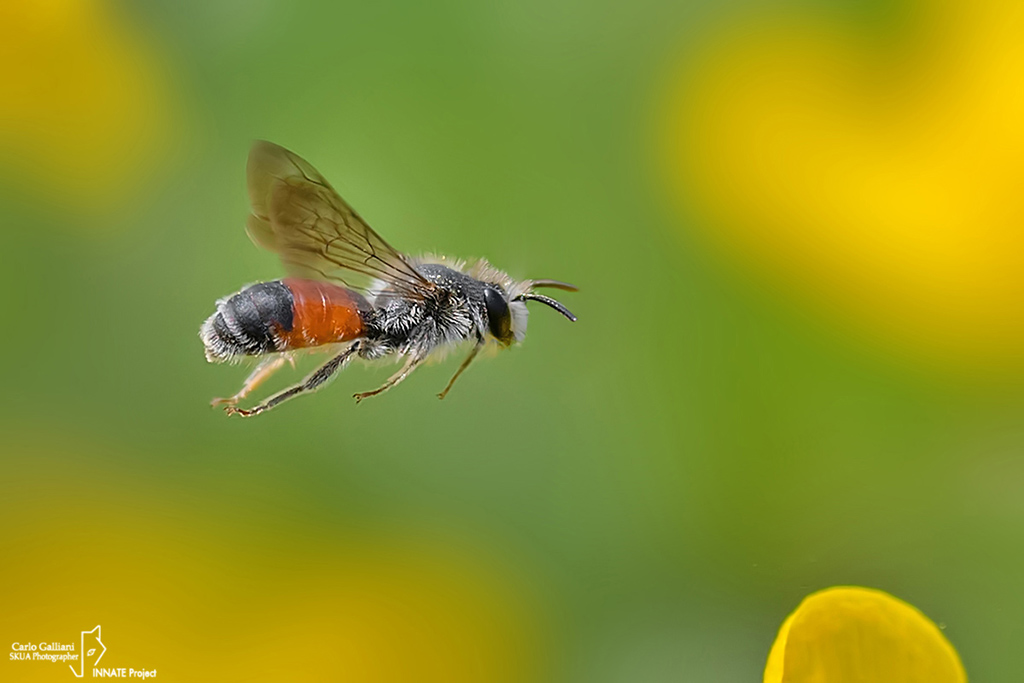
x,y
82,657
90,652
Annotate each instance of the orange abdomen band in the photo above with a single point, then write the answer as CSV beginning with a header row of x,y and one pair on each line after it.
x,y
323,314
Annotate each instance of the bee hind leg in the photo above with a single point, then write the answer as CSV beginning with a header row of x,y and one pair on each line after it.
x,y
311,383
259,375
396,378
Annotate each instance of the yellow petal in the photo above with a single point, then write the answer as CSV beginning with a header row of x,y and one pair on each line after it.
x,y
860,635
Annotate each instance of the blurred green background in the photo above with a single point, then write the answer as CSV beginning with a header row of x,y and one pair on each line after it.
x,y
762,397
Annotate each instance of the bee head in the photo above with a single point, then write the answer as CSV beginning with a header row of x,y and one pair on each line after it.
x,y
506,317
516,306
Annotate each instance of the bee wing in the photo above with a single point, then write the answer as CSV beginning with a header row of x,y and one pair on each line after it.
x,y
297,214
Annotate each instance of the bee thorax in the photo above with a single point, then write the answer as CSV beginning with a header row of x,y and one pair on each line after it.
x,y
454,312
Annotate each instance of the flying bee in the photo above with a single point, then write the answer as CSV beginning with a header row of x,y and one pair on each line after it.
x,y
350,291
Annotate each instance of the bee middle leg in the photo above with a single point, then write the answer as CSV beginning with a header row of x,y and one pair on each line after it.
x,y
259,375
311,383
465,364
396,378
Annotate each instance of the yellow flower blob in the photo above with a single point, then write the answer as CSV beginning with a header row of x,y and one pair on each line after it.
x,y
237,591
83,107
860,635
875,174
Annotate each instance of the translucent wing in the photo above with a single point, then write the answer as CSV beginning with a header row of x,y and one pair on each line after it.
x,y
296,213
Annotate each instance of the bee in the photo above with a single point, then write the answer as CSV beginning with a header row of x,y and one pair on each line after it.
x,y
351,292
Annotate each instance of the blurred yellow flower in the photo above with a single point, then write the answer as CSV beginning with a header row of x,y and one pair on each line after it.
x,y
206,592
83,107
860,635
877,176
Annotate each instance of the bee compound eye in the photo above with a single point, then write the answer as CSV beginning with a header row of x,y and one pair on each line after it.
x,y
499,319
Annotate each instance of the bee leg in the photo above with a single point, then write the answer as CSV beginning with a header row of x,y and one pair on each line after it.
x,y
311,383
406,370
258,376
465,364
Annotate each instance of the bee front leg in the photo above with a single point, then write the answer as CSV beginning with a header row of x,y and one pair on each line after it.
x,y
406,370
258,376
311,383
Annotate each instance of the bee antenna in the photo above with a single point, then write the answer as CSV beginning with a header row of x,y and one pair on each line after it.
x,y
554,284
547,301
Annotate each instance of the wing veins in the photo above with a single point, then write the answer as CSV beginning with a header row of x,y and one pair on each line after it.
x,y
300,216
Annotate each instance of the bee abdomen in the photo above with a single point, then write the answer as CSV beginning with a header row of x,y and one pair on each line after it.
x,y
249,323
283,315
